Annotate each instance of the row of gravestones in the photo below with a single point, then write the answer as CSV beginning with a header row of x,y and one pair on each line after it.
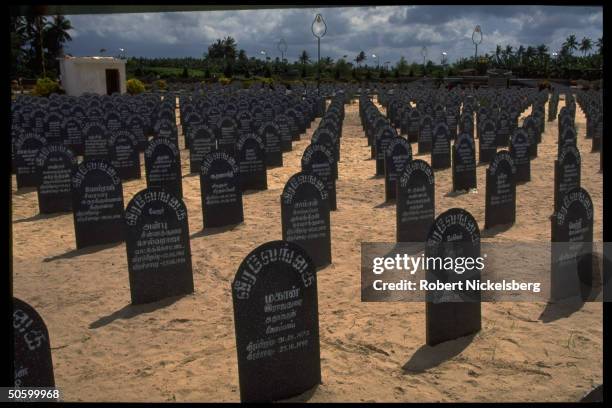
x,y
156,232
279,277
274,291
496,129
411,182
310,195
49,167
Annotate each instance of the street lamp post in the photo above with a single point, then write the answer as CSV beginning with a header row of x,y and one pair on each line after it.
x,y
377,60
318,28
476,39
282,47
424,54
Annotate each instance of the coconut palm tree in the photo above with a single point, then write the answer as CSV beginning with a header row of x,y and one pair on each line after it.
x,y
520,51
360,58
571,44
498,52
586,45
599,45
55,35
304,57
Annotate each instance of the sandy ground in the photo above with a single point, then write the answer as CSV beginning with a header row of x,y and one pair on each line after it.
x,y
183,349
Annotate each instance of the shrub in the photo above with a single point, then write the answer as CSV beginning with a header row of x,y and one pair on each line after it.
x,y
225,81
134,86
45,87
185,73
161,84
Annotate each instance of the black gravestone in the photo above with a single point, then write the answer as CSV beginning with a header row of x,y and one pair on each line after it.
x,y
567,174
325,137
519,150
158,248
124,154
282,121
530,127
72,136
398,153
95,141
277,323
440,147
220,190
464,162
305,216
271,135
500,194
33,364
487,142
384,135
455,234
415,209
97,204
163,166
414,126
54,167
251,154
319,160
136,124
202,141
228,135
572,246
53,128
503,129
26,148
425,134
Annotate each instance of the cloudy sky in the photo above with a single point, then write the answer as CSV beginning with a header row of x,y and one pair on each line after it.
x,y
389,32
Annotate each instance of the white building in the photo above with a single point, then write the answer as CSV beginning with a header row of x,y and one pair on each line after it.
x,y
101,75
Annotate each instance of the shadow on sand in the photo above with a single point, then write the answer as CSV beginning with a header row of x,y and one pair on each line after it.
x,y
428,357
39,216
129,311
214,231
83,251
304,397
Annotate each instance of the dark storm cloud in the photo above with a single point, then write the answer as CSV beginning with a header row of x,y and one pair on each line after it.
x,y
389,32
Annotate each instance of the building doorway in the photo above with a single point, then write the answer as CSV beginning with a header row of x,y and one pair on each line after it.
x,y
112,81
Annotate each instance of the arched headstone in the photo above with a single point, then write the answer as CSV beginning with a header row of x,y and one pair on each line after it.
x,y
26,148
567,173
95,140
397,155
97,204
500,195
440,147
487,141
449,314
124,154
519,150
276,322
319,160
271,135
251,157
202,141
163,166
381,140
464,162
158,248
220,190
572,246
305,216
415,208
55,164
32,359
